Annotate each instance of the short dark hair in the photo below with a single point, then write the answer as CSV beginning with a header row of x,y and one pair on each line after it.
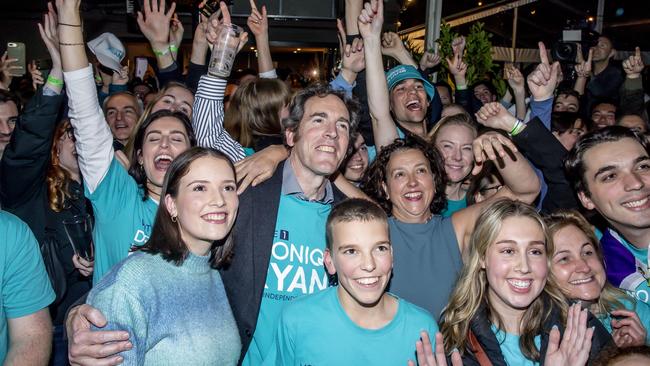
x,y
600,101
321,90
7,96
350,210
575,166
488,84
568,92
562,122
165,236
377,173
135,169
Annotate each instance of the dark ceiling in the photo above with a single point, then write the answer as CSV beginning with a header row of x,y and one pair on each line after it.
x,y
627,20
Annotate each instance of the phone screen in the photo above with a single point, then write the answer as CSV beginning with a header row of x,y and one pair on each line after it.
x,y
141,65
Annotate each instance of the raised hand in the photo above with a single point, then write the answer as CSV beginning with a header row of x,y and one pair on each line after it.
x,y
429,60
426,355
583,68
628,330
633,65
155,23
121,77
258,22
515,78
6,66
352,55
371,19
574,348
37,76
176,31
458,68
50,35
392,45
495,115
458,45
543,81
213,27
490,146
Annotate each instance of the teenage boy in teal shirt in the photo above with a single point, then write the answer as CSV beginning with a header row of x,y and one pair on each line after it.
x,y
357,311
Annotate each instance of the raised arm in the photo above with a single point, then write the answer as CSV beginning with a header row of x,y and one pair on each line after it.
x,y
583,71
352,61
258,23
537,143
155,25
519,179
371,20
516,81
393,46
542,83
631,92
207,119
94,141
26,158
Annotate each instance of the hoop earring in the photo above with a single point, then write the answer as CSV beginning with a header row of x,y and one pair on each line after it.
x,y
174,219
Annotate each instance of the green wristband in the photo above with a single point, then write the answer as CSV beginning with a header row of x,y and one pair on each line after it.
x,y
54,81
161,53
519,126
173,48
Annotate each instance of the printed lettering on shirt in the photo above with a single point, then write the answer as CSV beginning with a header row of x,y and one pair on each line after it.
x,y
295,270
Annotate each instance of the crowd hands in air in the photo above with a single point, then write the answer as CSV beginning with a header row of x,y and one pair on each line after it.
x,y
261,219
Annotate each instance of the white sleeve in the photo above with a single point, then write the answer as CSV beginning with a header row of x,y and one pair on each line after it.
x,y
207,119
94,140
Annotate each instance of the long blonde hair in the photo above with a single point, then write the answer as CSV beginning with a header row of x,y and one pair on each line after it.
x,y
610,296
472,286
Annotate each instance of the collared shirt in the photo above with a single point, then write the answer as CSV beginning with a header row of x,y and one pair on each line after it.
x,y
290,186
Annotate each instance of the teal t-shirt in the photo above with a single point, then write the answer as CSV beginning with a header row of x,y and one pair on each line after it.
x,y
295,269
509,344
453,206
315,330
640,308
249,151
25,285
122,218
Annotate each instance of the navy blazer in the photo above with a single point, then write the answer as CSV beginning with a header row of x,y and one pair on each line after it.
x,y
253,232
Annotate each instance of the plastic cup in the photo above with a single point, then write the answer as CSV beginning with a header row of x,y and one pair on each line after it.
x,y
224,50
79,230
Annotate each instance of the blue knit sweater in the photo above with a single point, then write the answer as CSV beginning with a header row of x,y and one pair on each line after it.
x,y
174,315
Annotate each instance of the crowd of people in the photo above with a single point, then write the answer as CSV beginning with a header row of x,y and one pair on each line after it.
x,y
377,219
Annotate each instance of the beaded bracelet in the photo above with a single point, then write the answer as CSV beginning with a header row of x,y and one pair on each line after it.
x,y
70,25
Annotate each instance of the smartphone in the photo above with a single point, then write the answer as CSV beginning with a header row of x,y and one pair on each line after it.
x,y
17,50
141,65
44,66
212,6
